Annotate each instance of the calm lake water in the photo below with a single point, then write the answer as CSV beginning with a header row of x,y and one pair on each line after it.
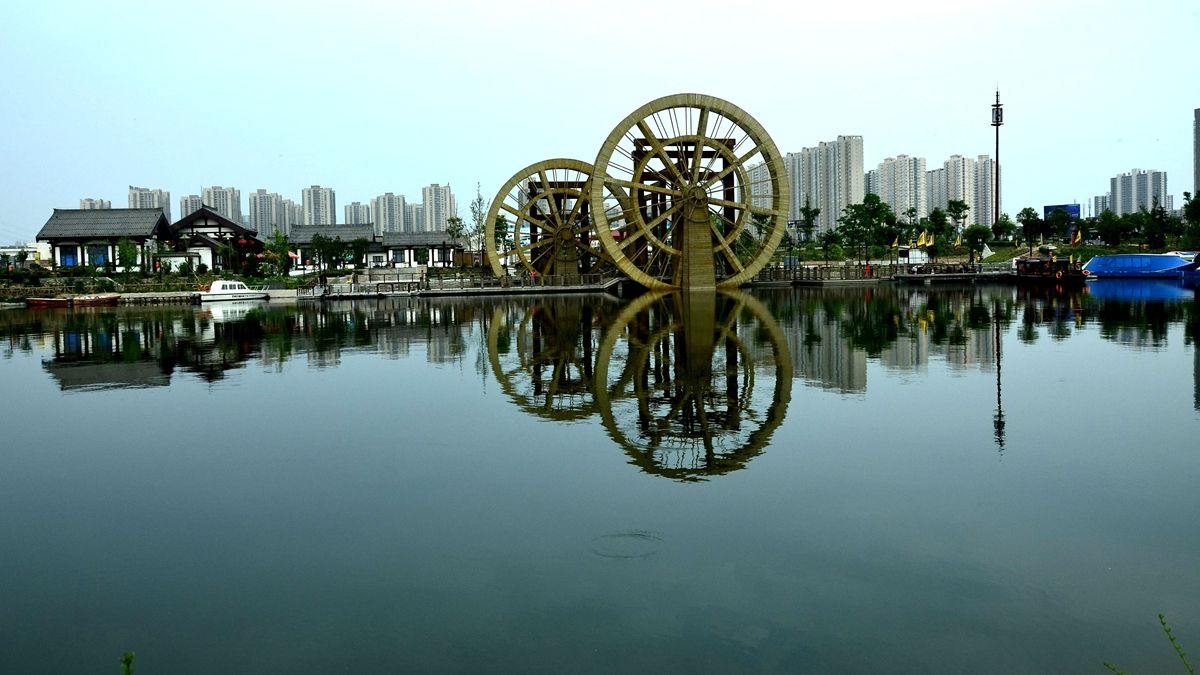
x,y
934,480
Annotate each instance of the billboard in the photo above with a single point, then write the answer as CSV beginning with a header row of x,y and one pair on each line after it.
x,y
1071,209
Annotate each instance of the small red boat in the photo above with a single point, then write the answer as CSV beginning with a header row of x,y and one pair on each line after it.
x,y
92,300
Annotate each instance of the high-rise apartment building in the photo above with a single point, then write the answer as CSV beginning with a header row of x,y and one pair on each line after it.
x,y
1138,189
146,198
439,206
414,217
937,190
968,180
90,204
1100,204
984,210
320,206
828,177
357,213
960,181
267,215
226,201
759,178
388,210
293,214
900,183
189,204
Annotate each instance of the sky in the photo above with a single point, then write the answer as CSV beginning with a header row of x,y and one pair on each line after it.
x,y
375,97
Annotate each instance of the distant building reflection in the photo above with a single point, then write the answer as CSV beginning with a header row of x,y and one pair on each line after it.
x,y
544,351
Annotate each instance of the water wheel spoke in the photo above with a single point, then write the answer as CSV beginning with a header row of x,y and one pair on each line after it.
x,y
529,218
647,187
731,256
733,229
546,188
698,155
579,200
657,148
526,248
717,201
739,162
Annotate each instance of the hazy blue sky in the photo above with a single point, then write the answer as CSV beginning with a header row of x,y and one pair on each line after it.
x,y
372,97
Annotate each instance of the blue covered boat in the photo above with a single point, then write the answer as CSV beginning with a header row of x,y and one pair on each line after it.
x,y
1173,265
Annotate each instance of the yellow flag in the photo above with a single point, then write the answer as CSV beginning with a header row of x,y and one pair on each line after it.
x,y
896,243
929,241
920,240
1078,236
958,240
1071,259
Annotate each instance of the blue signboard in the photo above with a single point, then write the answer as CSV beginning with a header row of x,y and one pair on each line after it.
x,y
1071,209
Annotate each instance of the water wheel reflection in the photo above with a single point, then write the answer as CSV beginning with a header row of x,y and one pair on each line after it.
x,y
544,356
676,377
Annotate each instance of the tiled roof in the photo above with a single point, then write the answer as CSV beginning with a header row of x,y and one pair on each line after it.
x,y
420,239
303,234
207,213
82,223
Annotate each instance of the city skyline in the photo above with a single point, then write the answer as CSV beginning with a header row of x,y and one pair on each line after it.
x,y
91,117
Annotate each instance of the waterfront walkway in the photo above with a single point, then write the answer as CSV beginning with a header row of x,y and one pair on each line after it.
x,y
859,274
464,285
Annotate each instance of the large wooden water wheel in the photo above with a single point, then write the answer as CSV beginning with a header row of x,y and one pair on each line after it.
x,y
541,221
695,195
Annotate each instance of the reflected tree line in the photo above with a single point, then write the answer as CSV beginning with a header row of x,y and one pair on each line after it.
x,y
688,387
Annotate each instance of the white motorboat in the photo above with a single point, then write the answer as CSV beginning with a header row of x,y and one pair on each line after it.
x,y
227,289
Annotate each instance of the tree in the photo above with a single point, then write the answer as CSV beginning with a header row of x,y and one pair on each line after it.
x,y
808,218
1159,225
1030,224
1191,220
957,210
1058,223
320,246
478,220
127,254
831,242
330,253
866,224
454,228
275,252
975,237
940,228
504,238
359,248
1110,227
1004,227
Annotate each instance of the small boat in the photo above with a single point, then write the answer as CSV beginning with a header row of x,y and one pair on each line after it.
x,y
227,289
1048,270
82,300
1172,265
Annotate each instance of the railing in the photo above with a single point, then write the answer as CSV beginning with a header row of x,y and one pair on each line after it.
x,y
451,283
810,273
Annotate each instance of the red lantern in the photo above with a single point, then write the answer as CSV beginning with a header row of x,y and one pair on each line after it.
x,y
241,242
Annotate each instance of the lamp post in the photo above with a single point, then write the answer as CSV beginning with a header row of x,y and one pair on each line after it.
x,y
997,120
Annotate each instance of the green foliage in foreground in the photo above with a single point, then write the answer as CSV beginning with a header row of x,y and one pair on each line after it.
x,y
1162,620
127,663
